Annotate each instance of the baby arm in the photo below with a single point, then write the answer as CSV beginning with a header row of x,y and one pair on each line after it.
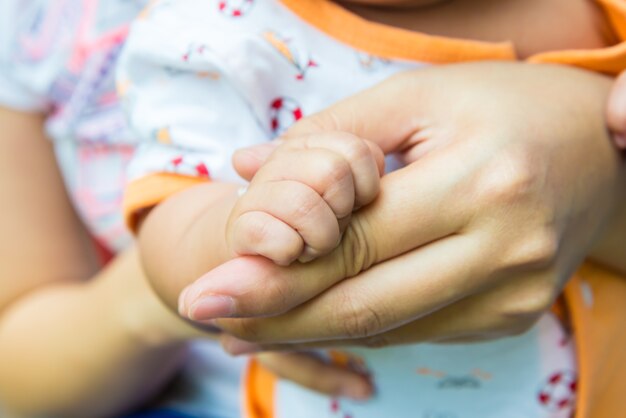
x,y
183,237
295,208
301,199
189,117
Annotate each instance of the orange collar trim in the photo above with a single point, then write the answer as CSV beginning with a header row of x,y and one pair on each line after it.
x,y
393,43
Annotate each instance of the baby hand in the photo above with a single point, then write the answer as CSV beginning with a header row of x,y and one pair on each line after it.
x,y
301,198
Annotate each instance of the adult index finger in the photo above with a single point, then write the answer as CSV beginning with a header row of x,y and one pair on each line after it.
x,y
417,205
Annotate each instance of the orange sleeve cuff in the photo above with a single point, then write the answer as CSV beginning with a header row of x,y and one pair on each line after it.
x,y
147,192
596,302
610,60
259,386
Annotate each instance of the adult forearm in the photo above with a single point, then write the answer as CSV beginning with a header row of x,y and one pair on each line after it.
x,y
88,349
184,237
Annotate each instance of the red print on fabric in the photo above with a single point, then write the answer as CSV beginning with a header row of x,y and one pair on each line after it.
x,y
284,111
235,8
558,391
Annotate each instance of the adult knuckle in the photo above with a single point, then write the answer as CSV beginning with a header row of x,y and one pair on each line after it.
x,y
357,319
508,179
536,304
538,250
530,303
360,323
518,328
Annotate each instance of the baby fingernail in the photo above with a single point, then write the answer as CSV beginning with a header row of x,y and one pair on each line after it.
x,y
210,307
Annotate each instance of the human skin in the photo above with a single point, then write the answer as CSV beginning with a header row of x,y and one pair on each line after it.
x,y
503,198
616,111
533,26
504,21
296,206
78,340
74,342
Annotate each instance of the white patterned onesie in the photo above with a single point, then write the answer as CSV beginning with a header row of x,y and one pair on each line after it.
x,y
202,78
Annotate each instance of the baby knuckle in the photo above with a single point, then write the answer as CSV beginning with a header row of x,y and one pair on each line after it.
x,y
306,203
335,171
251,229
285,256
355,148
328,241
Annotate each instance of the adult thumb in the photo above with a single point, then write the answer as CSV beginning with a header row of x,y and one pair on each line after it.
x,y
386,114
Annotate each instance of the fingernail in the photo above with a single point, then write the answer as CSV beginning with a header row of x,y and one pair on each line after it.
x,y
211,307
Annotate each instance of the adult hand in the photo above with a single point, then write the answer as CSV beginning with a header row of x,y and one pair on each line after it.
x,y
315,373
511,179
616,111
